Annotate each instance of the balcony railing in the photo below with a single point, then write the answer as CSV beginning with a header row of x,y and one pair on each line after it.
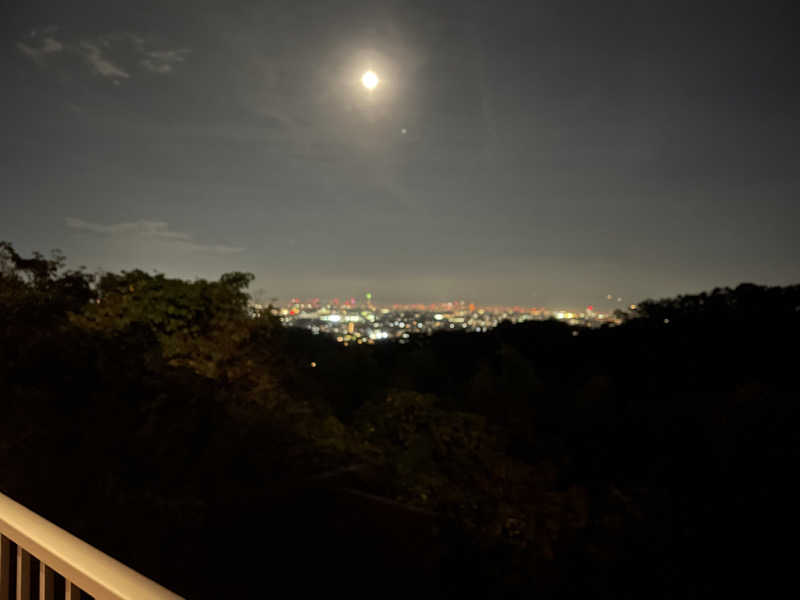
x,y
64,562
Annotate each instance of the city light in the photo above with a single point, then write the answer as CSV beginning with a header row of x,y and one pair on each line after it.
x,y
361,322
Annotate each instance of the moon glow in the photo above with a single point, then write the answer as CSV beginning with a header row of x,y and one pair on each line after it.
x,y
370,80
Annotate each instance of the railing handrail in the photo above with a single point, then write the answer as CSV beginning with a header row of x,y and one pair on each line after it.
x,y
85,566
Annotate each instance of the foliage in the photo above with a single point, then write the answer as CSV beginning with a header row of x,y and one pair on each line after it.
x,y
198,324
607,463
38,287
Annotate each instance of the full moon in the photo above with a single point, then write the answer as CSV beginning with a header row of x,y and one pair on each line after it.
x,y
370,80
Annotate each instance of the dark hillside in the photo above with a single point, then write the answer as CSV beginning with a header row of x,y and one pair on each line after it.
x,y
162,422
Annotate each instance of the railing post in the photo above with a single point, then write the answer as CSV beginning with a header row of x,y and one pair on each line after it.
x,y
23,574
47,582
71,591
5,568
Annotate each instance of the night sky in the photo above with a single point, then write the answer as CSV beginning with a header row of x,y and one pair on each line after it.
x,y
536,153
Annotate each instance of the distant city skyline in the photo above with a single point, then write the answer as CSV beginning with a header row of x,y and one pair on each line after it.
x,y
605,304
355,322
540,154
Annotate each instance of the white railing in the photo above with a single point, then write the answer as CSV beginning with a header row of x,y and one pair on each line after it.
x,y
82,566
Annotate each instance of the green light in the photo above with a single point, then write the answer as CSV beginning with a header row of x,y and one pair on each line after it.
x,y
369,295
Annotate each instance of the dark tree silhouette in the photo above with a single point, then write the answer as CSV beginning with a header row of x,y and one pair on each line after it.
x,y
166,422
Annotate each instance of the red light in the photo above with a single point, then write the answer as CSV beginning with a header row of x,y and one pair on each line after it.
x,y
590,307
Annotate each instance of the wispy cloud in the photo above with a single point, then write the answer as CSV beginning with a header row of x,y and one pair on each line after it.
x,y
49,45
100,63
113,56
151,231
162,61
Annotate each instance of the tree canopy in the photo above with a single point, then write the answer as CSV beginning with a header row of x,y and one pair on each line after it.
x,y
524,459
